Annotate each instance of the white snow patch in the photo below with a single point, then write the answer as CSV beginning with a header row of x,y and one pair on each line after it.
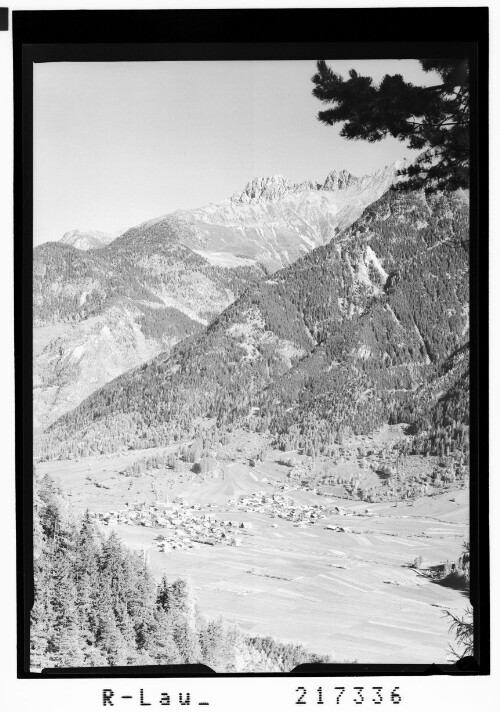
x,y
364,352
363,275
417,331
78,352
372,258
390,310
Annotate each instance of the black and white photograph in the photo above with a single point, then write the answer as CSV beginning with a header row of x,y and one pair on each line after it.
x,y
251,279
251,363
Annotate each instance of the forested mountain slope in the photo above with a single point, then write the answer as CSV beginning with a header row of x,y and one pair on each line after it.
x,y
101,309
98,313
343,339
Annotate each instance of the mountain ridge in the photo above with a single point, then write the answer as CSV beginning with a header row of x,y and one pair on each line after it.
x,y
103,310
340,339
274,220
98,313
259,189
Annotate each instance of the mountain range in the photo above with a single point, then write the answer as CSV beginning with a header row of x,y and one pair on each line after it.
x,y
104,304
274,221
369,327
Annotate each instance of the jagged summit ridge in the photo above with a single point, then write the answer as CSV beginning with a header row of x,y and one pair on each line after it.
x,y
268,188
273,221
276,187
339,180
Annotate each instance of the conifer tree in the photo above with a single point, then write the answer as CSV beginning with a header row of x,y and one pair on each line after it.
x,y
434,119
87,578
218,645
177,600
161,643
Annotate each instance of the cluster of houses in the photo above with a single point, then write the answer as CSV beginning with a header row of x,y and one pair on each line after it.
x,y
185,528
281,506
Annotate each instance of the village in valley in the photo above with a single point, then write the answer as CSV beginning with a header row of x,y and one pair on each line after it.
x,y
188,528
258,530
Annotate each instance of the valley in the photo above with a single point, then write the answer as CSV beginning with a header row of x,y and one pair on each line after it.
x,y
268,398
341,582
251,367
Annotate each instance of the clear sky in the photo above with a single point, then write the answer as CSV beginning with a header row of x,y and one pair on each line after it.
x,y
116,143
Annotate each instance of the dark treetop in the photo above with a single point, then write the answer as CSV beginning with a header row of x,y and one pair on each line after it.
x,y
434,119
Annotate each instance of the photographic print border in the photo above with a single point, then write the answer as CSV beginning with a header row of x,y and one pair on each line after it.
x,y
175,35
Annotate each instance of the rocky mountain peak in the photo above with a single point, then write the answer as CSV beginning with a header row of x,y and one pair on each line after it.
x,y
275,187
338,180
267,188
